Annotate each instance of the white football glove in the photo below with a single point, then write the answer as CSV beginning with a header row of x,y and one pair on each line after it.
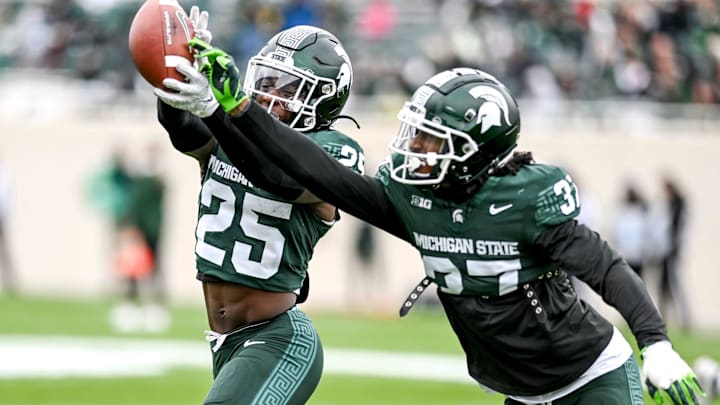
x,y
199,20
193,95
668,376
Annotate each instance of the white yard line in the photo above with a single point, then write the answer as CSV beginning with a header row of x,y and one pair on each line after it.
x,y
67,356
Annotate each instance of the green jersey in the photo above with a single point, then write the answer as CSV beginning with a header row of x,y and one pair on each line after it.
x,y
248,236
483,246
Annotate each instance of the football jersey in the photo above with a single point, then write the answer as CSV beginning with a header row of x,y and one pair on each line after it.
x,y
248,236
501,260
483,246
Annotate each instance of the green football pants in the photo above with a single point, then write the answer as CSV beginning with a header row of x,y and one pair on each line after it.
x,y
621,386
276,362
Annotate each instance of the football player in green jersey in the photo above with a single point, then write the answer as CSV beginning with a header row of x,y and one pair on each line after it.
x,y
257,228
497,233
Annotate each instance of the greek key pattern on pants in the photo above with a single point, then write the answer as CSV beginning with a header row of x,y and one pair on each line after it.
x,y
298,359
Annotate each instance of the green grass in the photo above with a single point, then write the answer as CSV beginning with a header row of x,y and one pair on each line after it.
x,y
49,316
422,331
176,388
189,388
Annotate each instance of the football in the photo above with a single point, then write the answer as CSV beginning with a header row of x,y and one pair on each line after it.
x,y
158,39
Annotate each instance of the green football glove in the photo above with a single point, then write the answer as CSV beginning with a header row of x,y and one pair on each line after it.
x,y
221,71
668,377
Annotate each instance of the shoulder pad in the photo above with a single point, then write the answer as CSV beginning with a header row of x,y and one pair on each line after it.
x,y
557,200
341,147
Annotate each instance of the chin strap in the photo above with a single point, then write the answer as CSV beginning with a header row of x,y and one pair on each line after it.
x,y
414,295
347,117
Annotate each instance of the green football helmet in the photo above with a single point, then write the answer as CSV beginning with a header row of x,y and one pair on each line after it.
x,y
307,71
471,116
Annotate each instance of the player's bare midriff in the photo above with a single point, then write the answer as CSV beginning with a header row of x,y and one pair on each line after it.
x,y
232,306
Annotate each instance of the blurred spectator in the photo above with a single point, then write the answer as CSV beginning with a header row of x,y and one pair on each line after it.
x,y
108,192
669,75
631,228
7,269
674,209
133,202
138,252
665,246
146,213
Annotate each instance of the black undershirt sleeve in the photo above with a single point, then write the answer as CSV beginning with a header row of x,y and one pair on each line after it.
x,y
188,132
253,163
584,254
360,196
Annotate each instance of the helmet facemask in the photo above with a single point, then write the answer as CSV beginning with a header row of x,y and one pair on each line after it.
x,y
452,146
472,113
295,90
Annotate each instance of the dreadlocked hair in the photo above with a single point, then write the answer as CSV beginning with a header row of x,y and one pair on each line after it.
x,y
516,162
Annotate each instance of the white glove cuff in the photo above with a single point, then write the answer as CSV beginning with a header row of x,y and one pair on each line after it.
x,y
207,108
661,346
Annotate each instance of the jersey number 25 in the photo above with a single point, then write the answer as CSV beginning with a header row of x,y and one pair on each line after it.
x,y
273,240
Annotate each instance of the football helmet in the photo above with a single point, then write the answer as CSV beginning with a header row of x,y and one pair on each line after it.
x,y
307,71
459,125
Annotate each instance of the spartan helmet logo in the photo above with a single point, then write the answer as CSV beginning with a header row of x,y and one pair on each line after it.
x,y
458,216
492,110
344,76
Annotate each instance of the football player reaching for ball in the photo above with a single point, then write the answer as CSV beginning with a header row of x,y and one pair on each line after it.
x,y
257,227
497,233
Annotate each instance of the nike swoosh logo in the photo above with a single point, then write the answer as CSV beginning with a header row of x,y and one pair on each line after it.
x,y
252,342
496,210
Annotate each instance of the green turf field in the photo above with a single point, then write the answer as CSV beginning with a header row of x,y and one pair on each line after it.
x,y
423,331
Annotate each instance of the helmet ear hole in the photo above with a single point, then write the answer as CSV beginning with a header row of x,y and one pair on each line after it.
x,y
467,148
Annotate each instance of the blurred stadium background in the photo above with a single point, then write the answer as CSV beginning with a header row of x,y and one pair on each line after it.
x,y
616,92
